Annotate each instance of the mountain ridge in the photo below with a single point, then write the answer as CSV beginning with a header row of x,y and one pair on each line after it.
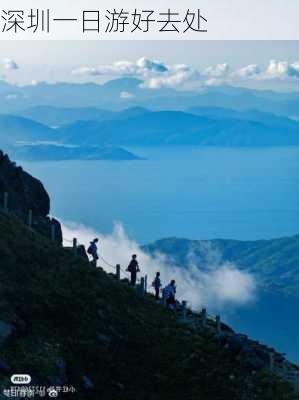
x,y
275,262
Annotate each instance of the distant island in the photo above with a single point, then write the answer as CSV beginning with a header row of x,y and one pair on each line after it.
x,y
61,152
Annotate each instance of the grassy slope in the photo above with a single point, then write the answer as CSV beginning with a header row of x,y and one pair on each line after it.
x,y
129,347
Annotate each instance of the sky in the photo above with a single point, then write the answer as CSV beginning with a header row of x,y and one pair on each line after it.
x,y
245,63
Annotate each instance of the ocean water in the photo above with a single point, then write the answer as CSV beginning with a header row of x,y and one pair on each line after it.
x,y
272,319
197,193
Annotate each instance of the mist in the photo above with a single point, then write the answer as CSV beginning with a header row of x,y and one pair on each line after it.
x,y
220,287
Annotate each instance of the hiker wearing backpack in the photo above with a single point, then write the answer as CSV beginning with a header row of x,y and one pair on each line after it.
x,y
169,295
157,285
133,268
93,251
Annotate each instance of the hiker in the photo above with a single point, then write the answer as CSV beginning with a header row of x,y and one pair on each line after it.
x,y
93,251
133,268
169,294
156,285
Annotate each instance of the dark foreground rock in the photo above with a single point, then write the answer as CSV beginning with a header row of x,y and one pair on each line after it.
x,y
26,193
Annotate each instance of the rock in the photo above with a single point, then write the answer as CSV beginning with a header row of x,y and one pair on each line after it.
x,y
20,325
60,378
6,330
88,384
235,343
104,339
26,193
4,367
81,251
120,386
253,362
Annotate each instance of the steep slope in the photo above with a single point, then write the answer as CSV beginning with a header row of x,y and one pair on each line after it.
x,y
73,324
64,322
275,261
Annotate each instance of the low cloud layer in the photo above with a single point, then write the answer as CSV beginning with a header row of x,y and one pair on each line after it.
x,y
282,70
9,64
156,74
143,67
219,287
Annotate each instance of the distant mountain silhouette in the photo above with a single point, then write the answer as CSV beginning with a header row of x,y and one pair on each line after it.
x,y
56,116
274,261
13,129
179,128
108,96
52,152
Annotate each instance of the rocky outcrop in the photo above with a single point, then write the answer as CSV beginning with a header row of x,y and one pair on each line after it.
x,y
6,331
26,193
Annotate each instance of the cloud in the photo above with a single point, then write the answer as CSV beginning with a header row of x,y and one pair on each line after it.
x,y
249,71
34,83
177,75
217,287
217,71
143,67
9,64
126,95
157,75
12,96
150,65
282,70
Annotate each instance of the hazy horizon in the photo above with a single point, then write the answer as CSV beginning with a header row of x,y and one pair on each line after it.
x,y
260,65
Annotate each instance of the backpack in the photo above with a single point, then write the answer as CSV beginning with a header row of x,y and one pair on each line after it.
x,y
90,249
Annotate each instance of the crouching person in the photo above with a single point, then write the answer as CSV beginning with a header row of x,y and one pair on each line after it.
x,y
169,295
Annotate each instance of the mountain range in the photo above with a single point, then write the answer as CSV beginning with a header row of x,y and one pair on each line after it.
x,y
142,127
110,95
181,128
275,262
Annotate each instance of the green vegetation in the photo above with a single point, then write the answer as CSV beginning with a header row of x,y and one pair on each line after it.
x,y
72,321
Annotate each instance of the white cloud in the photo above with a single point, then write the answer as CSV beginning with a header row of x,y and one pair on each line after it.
x,y
12,96
126,95
150,65
217,287
156,74
250,71
143,67
282,70
34,83
10,64
215,82
217,71
177,75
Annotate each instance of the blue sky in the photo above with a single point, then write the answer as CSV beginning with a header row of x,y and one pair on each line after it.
x,y
188,64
